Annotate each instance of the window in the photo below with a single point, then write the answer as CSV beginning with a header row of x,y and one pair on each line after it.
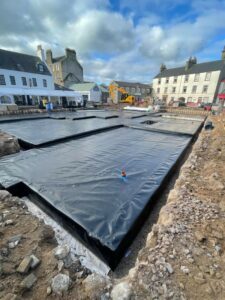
x,y
133,90
194,89
184,89
205,89
165,90
207,76
41,68
175,79
196,77
173,90
147,90
158,90
2,80
143,91
12,80
34,81
206,99
138,90
199,99
189,99
44,83
186,78
159,80
167,79
24,81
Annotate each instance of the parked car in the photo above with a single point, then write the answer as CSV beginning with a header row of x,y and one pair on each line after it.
x,y
208,106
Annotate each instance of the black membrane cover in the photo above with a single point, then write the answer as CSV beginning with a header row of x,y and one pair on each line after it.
x,y
80,181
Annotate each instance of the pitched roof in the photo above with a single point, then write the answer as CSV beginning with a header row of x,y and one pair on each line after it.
x,y
10,60
196,68
131,84
82,86
104,89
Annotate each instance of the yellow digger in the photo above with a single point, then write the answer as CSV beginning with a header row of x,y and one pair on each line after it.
x,y
125,97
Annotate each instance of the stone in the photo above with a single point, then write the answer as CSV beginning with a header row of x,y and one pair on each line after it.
x,y
4,195
61,252
9,222
35,261
60,283
184,269
4,251
60,265
169,268
28,282
47,235
14,241
94,284
25,265
121,291
49,291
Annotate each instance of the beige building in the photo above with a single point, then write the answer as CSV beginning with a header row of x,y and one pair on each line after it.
x,y
137,89
65,69
193,83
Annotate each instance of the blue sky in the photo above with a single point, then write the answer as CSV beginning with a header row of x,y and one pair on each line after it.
x,y
117,40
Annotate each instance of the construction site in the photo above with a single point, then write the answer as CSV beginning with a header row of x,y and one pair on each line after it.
x,y
112,204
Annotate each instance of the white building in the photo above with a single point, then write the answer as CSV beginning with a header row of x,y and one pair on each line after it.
x,y
90,91
26,79
193,83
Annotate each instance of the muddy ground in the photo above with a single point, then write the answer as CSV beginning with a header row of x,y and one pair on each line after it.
x,y
182,258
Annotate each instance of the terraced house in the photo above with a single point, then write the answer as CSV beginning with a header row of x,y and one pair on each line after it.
x,y
193,83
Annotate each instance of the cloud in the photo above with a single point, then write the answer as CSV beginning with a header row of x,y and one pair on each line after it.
x,y
103,32
127,43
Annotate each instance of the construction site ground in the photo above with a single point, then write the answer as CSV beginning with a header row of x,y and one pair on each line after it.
x,y
179,253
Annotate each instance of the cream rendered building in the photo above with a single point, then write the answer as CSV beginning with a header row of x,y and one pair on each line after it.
x,y
194,83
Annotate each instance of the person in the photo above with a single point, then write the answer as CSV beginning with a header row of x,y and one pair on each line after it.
x,y
49,107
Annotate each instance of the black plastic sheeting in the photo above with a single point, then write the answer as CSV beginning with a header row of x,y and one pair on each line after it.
x,y
41,132
80,182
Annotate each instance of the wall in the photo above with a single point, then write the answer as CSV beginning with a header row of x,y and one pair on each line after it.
x,y
71,66
95,95
212,85
18,75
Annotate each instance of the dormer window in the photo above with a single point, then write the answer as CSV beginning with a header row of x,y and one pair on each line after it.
x,y
41,68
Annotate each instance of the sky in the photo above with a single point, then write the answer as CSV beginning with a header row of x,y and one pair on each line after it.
x,y
123,40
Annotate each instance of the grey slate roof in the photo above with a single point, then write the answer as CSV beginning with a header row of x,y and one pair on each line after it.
x,y
61,87
197,68
10,60
132,84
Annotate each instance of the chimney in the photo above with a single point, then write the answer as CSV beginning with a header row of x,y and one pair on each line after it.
x,y
40,53
190,62
223,54
162,68
70,53
49,56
